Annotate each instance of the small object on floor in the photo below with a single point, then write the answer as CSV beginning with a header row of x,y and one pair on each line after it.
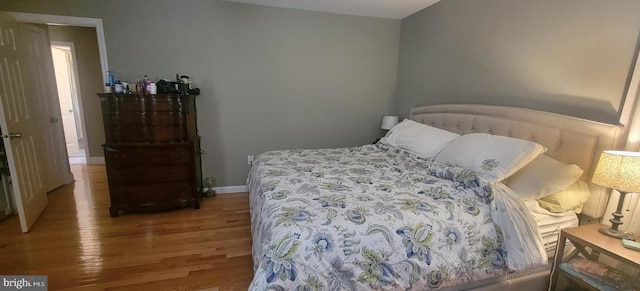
x,y
210,194
209,182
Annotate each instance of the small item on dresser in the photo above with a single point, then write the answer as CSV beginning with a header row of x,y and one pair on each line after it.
x,y
153,89
107,88
634,245
110,78
139,86
117,87
145,84
184,85
166,87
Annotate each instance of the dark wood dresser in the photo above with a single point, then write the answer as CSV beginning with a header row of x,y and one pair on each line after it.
x,y
152,152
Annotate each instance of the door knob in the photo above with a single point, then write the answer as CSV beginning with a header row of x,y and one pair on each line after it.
x,y
13,135
53,120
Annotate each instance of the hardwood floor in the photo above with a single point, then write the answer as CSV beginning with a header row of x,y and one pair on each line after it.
x,y
80,247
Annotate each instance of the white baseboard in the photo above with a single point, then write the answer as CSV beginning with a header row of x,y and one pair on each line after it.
x,y
231,189
95,161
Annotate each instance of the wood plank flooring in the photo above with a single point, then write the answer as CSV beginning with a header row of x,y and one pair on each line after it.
x,y
80,247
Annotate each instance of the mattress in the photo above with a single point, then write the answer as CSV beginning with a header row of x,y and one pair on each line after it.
x,y
550,224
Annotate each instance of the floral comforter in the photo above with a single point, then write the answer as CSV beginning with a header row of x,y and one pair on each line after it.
x,y
376,217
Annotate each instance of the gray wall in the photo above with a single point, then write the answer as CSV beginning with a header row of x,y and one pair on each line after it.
x,y
90,79
270,78
571,56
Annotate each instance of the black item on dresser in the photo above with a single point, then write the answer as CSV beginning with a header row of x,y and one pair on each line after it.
x,y
152,152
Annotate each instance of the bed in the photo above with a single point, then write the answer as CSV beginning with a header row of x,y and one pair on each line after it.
x,y
383,217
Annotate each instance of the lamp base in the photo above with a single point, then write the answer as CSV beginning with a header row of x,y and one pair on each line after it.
x,y
612,232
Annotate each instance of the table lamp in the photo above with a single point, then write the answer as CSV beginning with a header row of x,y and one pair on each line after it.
x,y
618,170
388,122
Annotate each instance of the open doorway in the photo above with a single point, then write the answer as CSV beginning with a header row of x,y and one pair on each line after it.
x,y
28,177
64,62
87,35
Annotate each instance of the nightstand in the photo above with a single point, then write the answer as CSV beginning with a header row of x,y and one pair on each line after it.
x,y
590,264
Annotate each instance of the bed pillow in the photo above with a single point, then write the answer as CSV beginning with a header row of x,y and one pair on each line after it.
x,y
542,177
571,199
420,139
493,157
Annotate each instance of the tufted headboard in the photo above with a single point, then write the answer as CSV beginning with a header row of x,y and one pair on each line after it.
x,y
568,139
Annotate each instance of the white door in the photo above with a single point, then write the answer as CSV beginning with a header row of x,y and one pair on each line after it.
x,y
18,127
35,52
66,83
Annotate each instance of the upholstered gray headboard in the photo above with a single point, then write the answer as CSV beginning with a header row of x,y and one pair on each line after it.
x,y
568,139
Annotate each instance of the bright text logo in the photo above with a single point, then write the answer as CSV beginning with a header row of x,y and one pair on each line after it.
x,y
23,283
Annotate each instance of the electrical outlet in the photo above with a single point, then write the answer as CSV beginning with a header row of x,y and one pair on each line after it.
x,y
250,160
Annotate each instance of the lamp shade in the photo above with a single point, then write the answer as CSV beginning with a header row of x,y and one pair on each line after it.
x,y
618,170
389,121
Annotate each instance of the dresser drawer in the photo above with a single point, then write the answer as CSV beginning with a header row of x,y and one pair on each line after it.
x,y
141,194
150,174
142,119
146,134
144,103
122,157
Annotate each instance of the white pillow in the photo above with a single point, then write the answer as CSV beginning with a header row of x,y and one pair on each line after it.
x,y
542,177
418,138
493,157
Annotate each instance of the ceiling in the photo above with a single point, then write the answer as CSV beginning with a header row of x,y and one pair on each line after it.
x,y
395,9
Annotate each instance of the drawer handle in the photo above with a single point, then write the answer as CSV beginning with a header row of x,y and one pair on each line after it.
x,y
110,149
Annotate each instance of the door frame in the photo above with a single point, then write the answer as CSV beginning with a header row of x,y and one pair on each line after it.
x,y
50,19
76,84
96,23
